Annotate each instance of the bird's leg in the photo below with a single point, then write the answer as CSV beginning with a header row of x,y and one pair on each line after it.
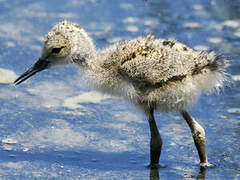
x,y
198,134
156,141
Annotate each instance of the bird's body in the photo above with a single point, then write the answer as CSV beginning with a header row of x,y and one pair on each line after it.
x,y
152,73
147,70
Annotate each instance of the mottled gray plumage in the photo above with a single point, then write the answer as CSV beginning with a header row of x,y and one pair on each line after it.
x,y
152,73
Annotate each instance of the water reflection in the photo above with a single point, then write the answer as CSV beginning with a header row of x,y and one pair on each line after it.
x,y
154,174
202,173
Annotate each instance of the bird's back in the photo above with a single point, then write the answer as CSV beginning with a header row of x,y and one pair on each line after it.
x,y
156,61
162,72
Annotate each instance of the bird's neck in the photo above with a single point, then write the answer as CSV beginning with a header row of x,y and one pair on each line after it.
x,y
83,50
85,58
92,65
101,76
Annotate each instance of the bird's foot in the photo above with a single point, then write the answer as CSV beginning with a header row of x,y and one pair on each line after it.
x,y
207,165
156,166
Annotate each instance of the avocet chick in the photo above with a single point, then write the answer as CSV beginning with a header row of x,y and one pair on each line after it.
x,y
153,74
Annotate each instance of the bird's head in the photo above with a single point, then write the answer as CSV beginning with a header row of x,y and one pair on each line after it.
x,y
64,44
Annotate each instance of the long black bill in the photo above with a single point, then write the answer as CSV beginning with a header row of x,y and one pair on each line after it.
x,y
37,67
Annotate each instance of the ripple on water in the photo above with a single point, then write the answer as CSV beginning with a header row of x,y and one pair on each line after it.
x,y
236,77
9,141
192,25
7,76
231,23
234,111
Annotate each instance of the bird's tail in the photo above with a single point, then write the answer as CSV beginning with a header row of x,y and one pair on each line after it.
x,y
215,66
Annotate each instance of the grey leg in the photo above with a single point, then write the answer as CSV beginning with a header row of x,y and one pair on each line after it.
x,y
156,141
198,134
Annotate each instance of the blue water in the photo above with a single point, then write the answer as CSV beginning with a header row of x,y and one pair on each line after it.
x,y
64,130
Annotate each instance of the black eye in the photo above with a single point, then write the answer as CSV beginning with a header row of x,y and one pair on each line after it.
x,y
56,50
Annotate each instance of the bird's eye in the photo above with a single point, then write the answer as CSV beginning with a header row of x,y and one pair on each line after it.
x,y
56,50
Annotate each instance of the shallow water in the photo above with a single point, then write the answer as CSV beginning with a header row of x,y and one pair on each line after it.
x,y
54,127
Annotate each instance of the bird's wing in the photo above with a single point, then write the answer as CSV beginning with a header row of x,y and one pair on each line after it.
x,y
154,61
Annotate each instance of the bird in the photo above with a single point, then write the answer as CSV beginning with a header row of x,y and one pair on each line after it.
x,y
153,74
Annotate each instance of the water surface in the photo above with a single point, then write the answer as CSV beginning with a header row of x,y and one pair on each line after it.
x,y
54,127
